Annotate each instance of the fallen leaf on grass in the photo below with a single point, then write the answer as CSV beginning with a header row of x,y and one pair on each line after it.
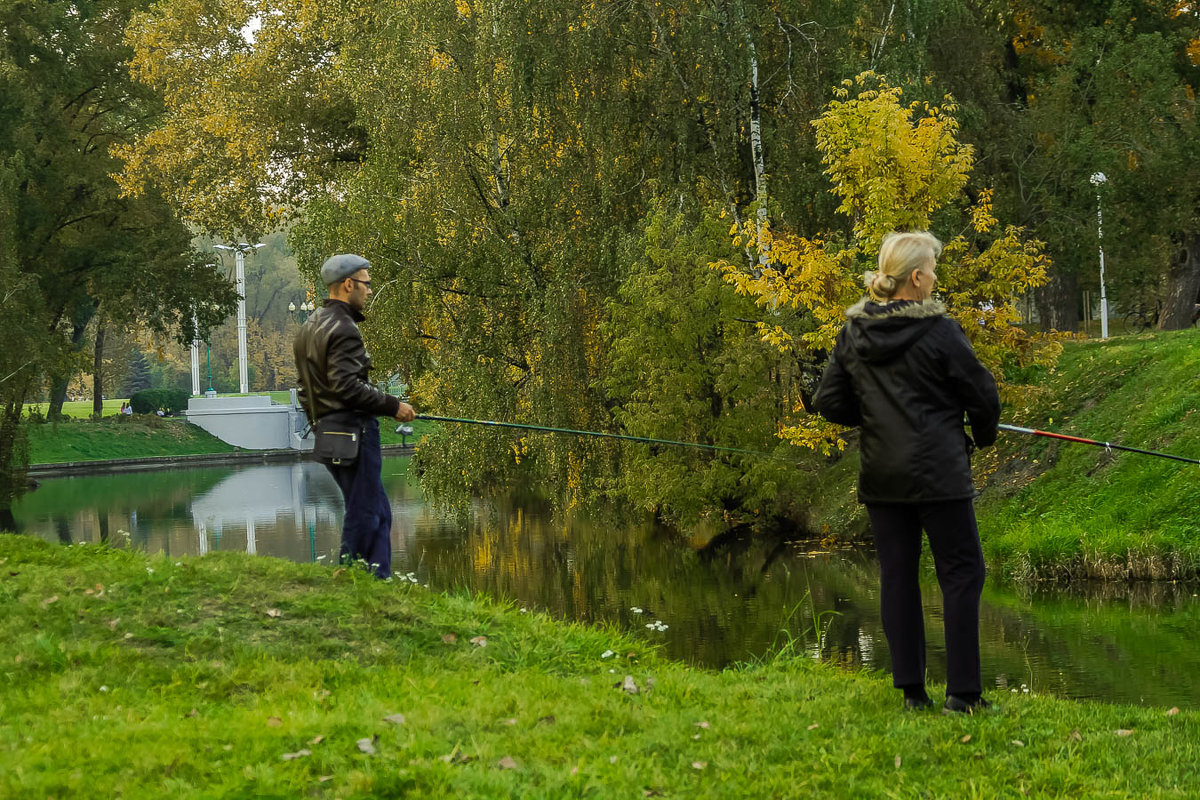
x,y
1123,732
508,762
449,638
338,571
129,636
324,778
395,719
628,685
699,764
297,754
275,722
813,727
898,762
510,721
546,720
317,740
366,746
112,623
701,724
965,739
479,641
612,759
1018,743
274,613
192,713
18,659
574,771
49,600
1172,711
1076,736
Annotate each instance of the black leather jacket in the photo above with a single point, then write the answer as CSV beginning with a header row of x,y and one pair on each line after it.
x,y
905,373
333,365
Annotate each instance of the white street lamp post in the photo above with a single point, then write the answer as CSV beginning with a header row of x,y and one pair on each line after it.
x,y
195,360
239,253
1099,180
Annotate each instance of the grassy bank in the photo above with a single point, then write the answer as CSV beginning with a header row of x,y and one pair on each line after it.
x,y
237,676
139,436
1063,510
142,436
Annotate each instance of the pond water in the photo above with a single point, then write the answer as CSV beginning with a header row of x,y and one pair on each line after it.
x,y
722,599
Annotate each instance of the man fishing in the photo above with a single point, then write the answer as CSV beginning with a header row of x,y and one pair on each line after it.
x,y
333,368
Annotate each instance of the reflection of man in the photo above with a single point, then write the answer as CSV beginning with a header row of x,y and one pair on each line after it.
x,y
333,366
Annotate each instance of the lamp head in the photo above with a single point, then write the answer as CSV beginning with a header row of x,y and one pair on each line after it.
x,y
1098,179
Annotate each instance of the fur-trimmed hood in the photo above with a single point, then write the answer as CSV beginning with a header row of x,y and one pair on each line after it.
x,y
880,332
867,308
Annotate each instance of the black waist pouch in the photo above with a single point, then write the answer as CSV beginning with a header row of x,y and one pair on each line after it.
x,y
337,439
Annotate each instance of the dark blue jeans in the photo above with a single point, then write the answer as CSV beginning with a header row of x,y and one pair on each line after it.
x,y
367,529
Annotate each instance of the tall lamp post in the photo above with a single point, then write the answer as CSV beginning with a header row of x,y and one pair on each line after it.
x,y
1099,180
195,359
239,253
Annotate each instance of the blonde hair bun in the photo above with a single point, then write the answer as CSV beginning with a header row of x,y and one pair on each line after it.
x,y
879,285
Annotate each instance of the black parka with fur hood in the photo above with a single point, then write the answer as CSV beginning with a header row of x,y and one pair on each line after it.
x,y
905,373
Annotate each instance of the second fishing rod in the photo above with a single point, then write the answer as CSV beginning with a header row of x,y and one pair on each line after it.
x,y
697,445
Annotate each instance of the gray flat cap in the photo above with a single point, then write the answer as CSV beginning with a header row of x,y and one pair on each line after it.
x,y
342,266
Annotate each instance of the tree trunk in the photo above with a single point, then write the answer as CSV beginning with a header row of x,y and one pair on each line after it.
x,y
1058,302
1183,286
14,452
58,383
98,373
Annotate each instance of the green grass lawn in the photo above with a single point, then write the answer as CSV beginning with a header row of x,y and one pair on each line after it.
x,y
242,676
80,409
139,436
1052,509
143,436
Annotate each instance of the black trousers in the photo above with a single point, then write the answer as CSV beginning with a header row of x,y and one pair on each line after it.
x,y
958,560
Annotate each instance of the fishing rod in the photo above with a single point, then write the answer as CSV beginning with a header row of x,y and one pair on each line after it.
x,y
545,429
696,445
1105,445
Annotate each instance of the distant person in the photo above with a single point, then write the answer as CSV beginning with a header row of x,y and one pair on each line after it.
x,y
905,373
126,409
334,369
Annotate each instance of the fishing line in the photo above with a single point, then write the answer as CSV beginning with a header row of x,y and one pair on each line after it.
x,y
546,429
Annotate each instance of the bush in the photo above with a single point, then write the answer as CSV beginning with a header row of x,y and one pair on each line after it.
x,y
147,401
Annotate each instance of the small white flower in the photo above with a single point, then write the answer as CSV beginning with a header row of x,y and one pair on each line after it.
x,y
607,654
149,570
104,688
636,610
179,563
524,610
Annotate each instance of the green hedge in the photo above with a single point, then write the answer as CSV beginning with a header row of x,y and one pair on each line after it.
x,y
171,401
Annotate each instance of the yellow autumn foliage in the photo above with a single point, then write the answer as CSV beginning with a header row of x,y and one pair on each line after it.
x,y
893,165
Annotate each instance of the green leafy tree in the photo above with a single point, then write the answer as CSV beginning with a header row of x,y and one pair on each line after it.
x,y
72,241
687,364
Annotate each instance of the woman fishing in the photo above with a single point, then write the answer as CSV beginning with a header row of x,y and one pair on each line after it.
x,y
904,372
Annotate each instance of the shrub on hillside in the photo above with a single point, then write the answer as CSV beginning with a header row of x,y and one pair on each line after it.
x,y
147,401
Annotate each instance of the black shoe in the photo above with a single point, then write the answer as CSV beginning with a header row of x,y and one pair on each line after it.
x,y
957,705
917,703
